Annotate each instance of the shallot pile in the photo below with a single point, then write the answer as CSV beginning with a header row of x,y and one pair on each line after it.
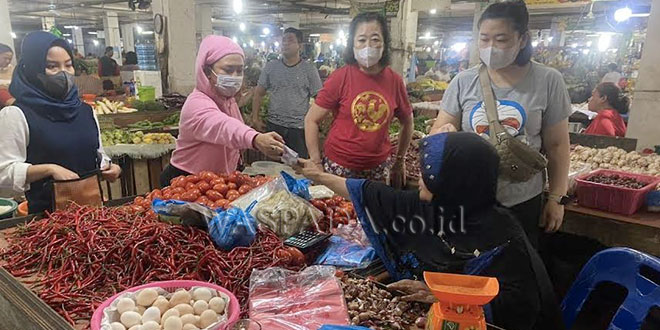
x,y
84,255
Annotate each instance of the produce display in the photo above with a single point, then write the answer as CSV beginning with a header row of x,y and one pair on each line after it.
x,y
419,122
173,100
376,308
336,210
617,180
120,136
412,156
148,105
107,107
585,158
156,308
285,213
207,188
75,259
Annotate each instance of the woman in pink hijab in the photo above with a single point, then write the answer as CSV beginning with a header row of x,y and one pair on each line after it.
x,y
211,129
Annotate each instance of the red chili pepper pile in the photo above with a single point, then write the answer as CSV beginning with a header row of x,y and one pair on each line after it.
x,y
82,256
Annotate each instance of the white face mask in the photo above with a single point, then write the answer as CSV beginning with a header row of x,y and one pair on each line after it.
x,y
496,58
228,85
368,56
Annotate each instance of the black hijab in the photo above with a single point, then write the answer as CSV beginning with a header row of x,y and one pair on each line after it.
x,y
29,90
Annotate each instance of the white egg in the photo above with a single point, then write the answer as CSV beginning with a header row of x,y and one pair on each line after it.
x,y
130,319
136,327
179,297
218,304
184,309
202,294
190,327
200,306
162,304
117,326
207,318
151,325
173,323
151,314
125,305
146,297
169,313
190,319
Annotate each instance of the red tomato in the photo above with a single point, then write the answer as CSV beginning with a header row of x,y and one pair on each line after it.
x,y
176,196
192,178
221,203
157,194
330,202
233,192
167,195
188,197
179,181
233,178
217,181
138,200
221,188
190,185
232,186
137,208
166,189
206,175
338,199
203,186
232,197
214,195
202,200
178,190
244,189
319,204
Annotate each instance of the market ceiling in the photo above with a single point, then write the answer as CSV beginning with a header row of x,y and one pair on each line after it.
x,y
316,16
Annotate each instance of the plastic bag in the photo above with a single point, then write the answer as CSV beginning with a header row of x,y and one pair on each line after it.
x,y
346,254
300,187
280,210
352,232
185,213
233,227
282,299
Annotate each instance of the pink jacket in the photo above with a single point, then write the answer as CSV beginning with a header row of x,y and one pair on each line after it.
x,y
211,129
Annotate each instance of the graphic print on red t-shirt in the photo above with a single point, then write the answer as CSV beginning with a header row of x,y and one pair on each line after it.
x,y
370,111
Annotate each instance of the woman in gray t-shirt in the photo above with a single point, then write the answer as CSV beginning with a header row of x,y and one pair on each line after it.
x,y
533,105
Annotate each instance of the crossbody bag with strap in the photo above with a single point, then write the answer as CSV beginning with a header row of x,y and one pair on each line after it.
x,y
518,161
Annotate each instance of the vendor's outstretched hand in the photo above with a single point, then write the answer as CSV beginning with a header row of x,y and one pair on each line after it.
x,y
271,144
309,169
414,291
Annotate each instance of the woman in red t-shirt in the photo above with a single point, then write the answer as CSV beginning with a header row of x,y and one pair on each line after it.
x,y
610,103
363,97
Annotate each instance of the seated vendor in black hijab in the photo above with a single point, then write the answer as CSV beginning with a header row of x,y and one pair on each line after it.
x,y
453,225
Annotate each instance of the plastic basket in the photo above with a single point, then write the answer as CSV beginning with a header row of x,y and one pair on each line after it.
x,y
614,199
233,312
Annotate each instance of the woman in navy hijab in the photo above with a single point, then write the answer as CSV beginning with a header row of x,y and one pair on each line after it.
x,y
48,133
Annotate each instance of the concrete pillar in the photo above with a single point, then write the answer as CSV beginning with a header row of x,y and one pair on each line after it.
x,y
177,55
5,26
128,37
291,20
204,20
111,32
47,23
78,41
558,31
644,115
479,8
404,37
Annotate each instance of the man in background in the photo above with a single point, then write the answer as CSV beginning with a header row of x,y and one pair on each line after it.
x,y
290,83
108,67
612,75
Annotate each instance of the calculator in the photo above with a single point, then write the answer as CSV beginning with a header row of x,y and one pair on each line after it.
x,y
306,240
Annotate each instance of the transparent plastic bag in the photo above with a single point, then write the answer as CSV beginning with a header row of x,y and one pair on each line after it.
x,y
282,299
185,213
346,254
233,227
280,210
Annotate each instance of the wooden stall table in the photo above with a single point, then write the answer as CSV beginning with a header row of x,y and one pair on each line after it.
x,y
640,231
141,166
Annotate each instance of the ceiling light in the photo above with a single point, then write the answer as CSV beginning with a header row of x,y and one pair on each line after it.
x,y
95,33
96,42
266,31
435,43
589,43
263,44
535,43
69,41
318,44
251,43
428,49
244,45
433,11
238,6
315,35
277,44
71,27
574,45
63,34
459,46
235,39
332,47
622,14
585,51
138,29
241,26
13,35
427,34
